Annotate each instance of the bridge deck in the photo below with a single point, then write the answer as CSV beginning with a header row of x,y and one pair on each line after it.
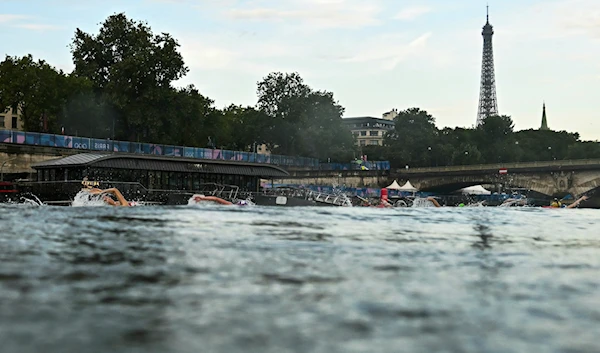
x,y
573,164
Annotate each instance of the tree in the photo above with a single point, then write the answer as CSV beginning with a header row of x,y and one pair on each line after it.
x,y
323,136
134,69
466,154
35,88
244,126
300,121
185,115
281,97
495,139
413,135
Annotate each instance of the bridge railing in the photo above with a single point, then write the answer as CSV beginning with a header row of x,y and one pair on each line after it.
x,y
107,145
498,166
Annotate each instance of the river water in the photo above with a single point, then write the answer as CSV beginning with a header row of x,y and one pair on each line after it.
x,y
254,279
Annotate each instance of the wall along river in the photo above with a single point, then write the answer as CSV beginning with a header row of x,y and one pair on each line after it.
x,y
258,279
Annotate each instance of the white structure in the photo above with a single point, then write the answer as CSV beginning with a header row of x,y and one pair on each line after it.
x,y
408,187
475,190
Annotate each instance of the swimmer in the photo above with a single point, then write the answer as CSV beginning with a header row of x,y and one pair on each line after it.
x,y
201,198
121,201
513,202
434,201
573,205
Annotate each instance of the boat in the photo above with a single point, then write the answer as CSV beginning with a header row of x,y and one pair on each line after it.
x,y
293,196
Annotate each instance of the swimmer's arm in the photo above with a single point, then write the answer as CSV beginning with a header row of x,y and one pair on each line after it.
x,y
576,203
118,195
434,201
110,201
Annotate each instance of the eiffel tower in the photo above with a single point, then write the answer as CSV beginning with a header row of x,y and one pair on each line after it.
x,y
487,94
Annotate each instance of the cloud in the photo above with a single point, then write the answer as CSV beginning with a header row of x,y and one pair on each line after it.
x,y
581,21
313,13
37,26
388,56
8,18
412,13
17,22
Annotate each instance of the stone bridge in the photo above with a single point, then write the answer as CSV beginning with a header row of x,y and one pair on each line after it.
x,y
552,178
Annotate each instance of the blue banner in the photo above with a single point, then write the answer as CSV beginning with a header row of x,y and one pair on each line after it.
x,y
91,144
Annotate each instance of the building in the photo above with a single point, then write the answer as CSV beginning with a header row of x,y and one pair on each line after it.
x,y
370,131
391,114
151,178
544,125
10,119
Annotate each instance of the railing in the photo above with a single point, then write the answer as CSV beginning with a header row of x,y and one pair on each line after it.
x,y
369,165
107,145
498,166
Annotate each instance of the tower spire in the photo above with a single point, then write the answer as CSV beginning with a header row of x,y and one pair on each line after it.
x,y
488,104
544,120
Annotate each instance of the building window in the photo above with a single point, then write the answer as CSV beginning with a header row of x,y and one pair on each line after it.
x,y
15,109
373,133
2,121
14,122
363,142
363,133
373,142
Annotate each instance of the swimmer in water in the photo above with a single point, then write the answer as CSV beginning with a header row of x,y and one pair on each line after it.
x,y
434,201
121,201
557,204
202,198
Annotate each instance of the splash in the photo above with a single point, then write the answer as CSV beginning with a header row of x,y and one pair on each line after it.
x,y
31,200
86,199
422,202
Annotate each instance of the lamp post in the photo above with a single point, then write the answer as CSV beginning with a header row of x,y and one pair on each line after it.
x,y
430,159
2,167
550,151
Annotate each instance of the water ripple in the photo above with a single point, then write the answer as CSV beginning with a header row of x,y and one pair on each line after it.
x,y
252,279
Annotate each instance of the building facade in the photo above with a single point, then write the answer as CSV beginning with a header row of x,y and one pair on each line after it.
x,y
10,119
370,131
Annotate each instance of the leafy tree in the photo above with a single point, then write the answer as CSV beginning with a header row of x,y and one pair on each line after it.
x,y
35,88
323,136
281,97
134,69
412,139
300,121
184,116
244,126
495,139
466,154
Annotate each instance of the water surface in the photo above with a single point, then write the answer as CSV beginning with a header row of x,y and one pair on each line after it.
x,y
254,279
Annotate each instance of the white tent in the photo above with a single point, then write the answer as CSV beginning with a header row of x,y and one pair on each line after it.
x,y
408,187
393,186
475,190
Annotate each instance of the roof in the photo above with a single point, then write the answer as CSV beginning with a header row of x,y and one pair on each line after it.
x,y
354,120
162,163
74,160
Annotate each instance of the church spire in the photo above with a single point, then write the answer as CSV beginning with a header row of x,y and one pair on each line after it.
x,y
544,120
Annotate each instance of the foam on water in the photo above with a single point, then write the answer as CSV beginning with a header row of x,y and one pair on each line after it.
x,y
85,199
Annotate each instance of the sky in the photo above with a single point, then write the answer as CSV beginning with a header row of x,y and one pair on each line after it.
x,y
374,55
